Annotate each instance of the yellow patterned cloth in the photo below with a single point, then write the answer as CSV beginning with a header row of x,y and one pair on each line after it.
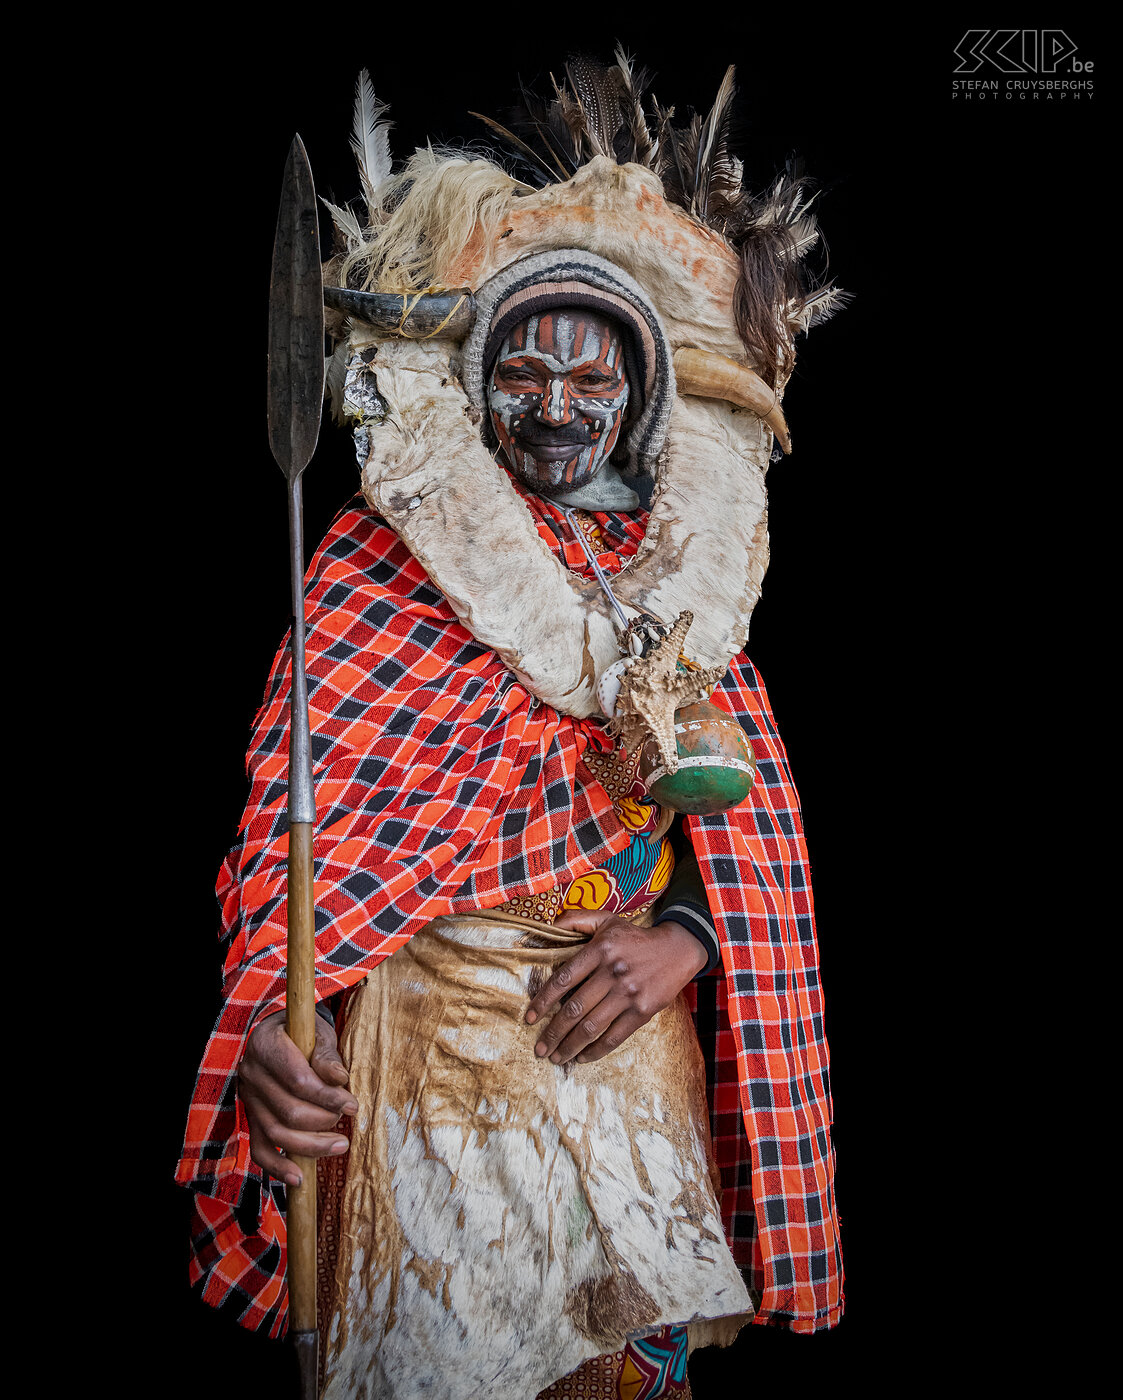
x,y
630,883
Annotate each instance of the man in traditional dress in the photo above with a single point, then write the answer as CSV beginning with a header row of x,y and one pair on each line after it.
x,y
517,1129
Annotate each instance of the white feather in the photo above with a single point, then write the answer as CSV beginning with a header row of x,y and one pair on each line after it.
x,y
805,234
335,376
820,307
370,139
346,222
775,211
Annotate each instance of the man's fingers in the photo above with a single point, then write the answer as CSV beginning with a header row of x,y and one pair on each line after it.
x,y
285,1108
292,1105
571,974
326,1060
273,1162
273,1063
332,1070
613,1037
588,1012
272,1144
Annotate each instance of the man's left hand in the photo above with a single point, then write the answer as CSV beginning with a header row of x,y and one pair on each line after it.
x,y
613,985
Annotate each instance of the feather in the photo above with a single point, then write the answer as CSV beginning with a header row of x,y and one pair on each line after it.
x,y
805,234
643,146
597,95
518,145
715,178
689,142
569,119
547,125
370,140
820,307
727,203
669,166
788,201
345,222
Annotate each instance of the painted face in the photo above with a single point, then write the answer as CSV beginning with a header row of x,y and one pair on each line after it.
x,y
557,397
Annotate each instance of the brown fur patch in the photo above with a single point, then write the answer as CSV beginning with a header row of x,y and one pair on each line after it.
x,y
610,1307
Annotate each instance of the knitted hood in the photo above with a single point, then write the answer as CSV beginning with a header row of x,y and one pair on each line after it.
x,y
572,277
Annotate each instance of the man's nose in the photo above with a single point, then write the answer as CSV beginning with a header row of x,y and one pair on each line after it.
x,y
554,406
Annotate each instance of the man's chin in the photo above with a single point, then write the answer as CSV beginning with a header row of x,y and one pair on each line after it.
x,y
602,489
544,476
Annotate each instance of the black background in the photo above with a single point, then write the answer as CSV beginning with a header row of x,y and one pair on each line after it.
x,y
911,568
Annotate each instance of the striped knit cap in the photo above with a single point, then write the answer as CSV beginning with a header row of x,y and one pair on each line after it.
x,y
570,277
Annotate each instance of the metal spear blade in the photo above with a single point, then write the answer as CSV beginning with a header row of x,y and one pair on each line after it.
x,y
296,321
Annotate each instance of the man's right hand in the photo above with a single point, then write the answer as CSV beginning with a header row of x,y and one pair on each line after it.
x,y
292,1105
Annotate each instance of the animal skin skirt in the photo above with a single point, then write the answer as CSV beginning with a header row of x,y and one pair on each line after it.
x,y
500,1220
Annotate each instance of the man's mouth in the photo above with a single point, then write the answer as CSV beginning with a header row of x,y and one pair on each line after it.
x,y
552,449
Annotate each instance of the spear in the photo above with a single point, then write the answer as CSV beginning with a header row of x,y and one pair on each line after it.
x,y
296,395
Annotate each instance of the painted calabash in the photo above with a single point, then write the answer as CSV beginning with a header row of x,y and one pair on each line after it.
x,y
715,764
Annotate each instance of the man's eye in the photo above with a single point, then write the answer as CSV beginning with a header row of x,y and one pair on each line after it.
x,y
594,382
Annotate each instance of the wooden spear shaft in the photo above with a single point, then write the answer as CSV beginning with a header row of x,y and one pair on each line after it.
x,y
300,987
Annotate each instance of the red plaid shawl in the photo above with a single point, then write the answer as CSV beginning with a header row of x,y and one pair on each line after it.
x,y
443,786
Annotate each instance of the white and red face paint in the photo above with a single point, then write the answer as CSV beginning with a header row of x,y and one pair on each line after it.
x,y
557,397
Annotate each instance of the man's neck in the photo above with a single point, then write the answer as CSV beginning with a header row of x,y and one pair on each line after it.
x,y
606,491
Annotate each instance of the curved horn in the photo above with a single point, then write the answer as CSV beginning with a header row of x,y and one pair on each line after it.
x,y
712,376
414,315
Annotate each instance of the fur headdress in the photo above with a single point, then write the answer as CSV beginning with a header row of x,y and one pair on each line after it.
x,y
636,207
666,203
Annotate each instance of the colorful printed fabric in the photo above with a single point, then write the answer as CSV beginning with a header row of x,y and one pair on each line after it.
x,y
633,879
443,786
648,1368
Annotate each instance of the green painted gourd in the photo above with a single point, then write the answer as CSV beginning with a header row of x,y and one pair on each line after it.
x,y
716,768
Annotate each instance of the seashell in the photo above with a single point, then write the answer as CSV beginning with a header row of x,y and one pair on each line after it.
x,y
608,687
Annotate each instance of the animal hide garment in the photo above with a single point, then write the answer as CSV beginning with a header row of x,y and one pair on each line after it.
x,y
501,1219
426,472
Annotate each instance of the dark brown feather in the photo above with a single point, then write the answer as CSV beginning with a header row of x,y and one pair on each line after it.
x,y
689,141
639,145
669,166
568,121
520,146
712,158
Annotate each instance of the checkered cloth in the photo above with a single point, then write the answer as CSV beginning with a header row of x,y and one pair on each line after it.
x,y
443,786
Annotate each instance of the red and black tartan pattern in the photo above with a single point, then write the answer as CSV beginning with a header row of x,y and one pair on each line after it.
x,y
443,786
754,862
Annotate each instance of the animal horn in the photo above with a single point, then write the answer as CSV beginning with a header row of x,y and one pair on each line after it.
x,y
414,315
712,376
